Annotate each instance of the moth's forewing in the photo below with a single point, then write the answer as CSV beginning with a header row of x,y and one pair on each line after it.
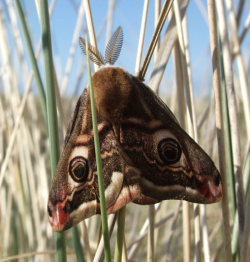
x,y
148,125
74,193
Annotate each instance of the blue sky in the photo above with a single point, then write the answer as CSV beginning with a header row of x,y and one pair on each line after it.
x,y
128,15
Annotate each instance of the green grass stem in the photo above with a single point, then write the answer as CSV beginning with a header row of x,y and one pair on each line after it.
x,y
51,111
77,245
120,234
246,174
32,57
104,219
235,236
228,150
229,164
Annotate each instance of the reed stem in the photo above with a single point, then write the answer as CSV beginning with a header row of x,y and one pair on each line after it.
x,y
99,165
51,111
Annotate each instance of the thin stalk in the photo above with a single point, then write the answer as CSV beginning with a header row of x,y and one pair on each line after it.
x,y
161,21
32,57
157,15
75,234
134,246
120,234
143,232
90,25
228,145
240,11
73,48
172,230
124,253
50,95
86,241
245,29
110,16
246,174
235,236
219,123
190,116
152,235
206,249
99,251
165,50
51,111
186,73
77,244
142,36
11,143
186,225
243,77
233,114
151,238
105,230
246,233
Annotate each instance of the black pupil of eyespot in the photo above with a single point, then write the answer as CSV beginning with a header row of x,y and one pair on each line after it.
x,y
169,151
78,169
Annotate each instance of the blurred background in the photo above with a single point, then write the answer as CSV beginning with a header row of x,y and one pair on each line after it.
x,y
25,173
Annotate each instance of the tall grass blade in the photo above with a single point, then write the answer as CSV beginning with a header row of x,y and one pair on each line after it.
x,y
99,164
120,235
219,123
14,133
32,57
73,48
243,77
142,36
51,111
151,234
246,234
232,106
77,244
90,25
186,223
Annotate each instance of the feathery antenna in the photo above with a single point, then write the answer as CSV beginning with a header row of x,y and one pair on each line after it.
x,y
94,54
114,46
112,52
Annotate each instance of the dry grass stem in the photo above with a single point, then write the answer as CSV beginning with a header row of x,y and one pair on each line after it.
x,y
164,12
219,123
232,106
142,36
90,25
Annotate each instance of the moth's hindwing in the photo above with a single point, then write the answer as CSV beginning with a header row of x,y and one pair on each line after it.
x,y
147,157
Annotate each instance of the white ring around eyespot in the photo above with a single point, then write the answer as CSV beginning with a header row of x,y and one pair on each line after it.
x,y
163,134
78,151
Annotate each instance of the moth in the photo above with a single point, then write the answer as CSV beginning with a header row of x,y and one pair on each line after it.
x,y
147,157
